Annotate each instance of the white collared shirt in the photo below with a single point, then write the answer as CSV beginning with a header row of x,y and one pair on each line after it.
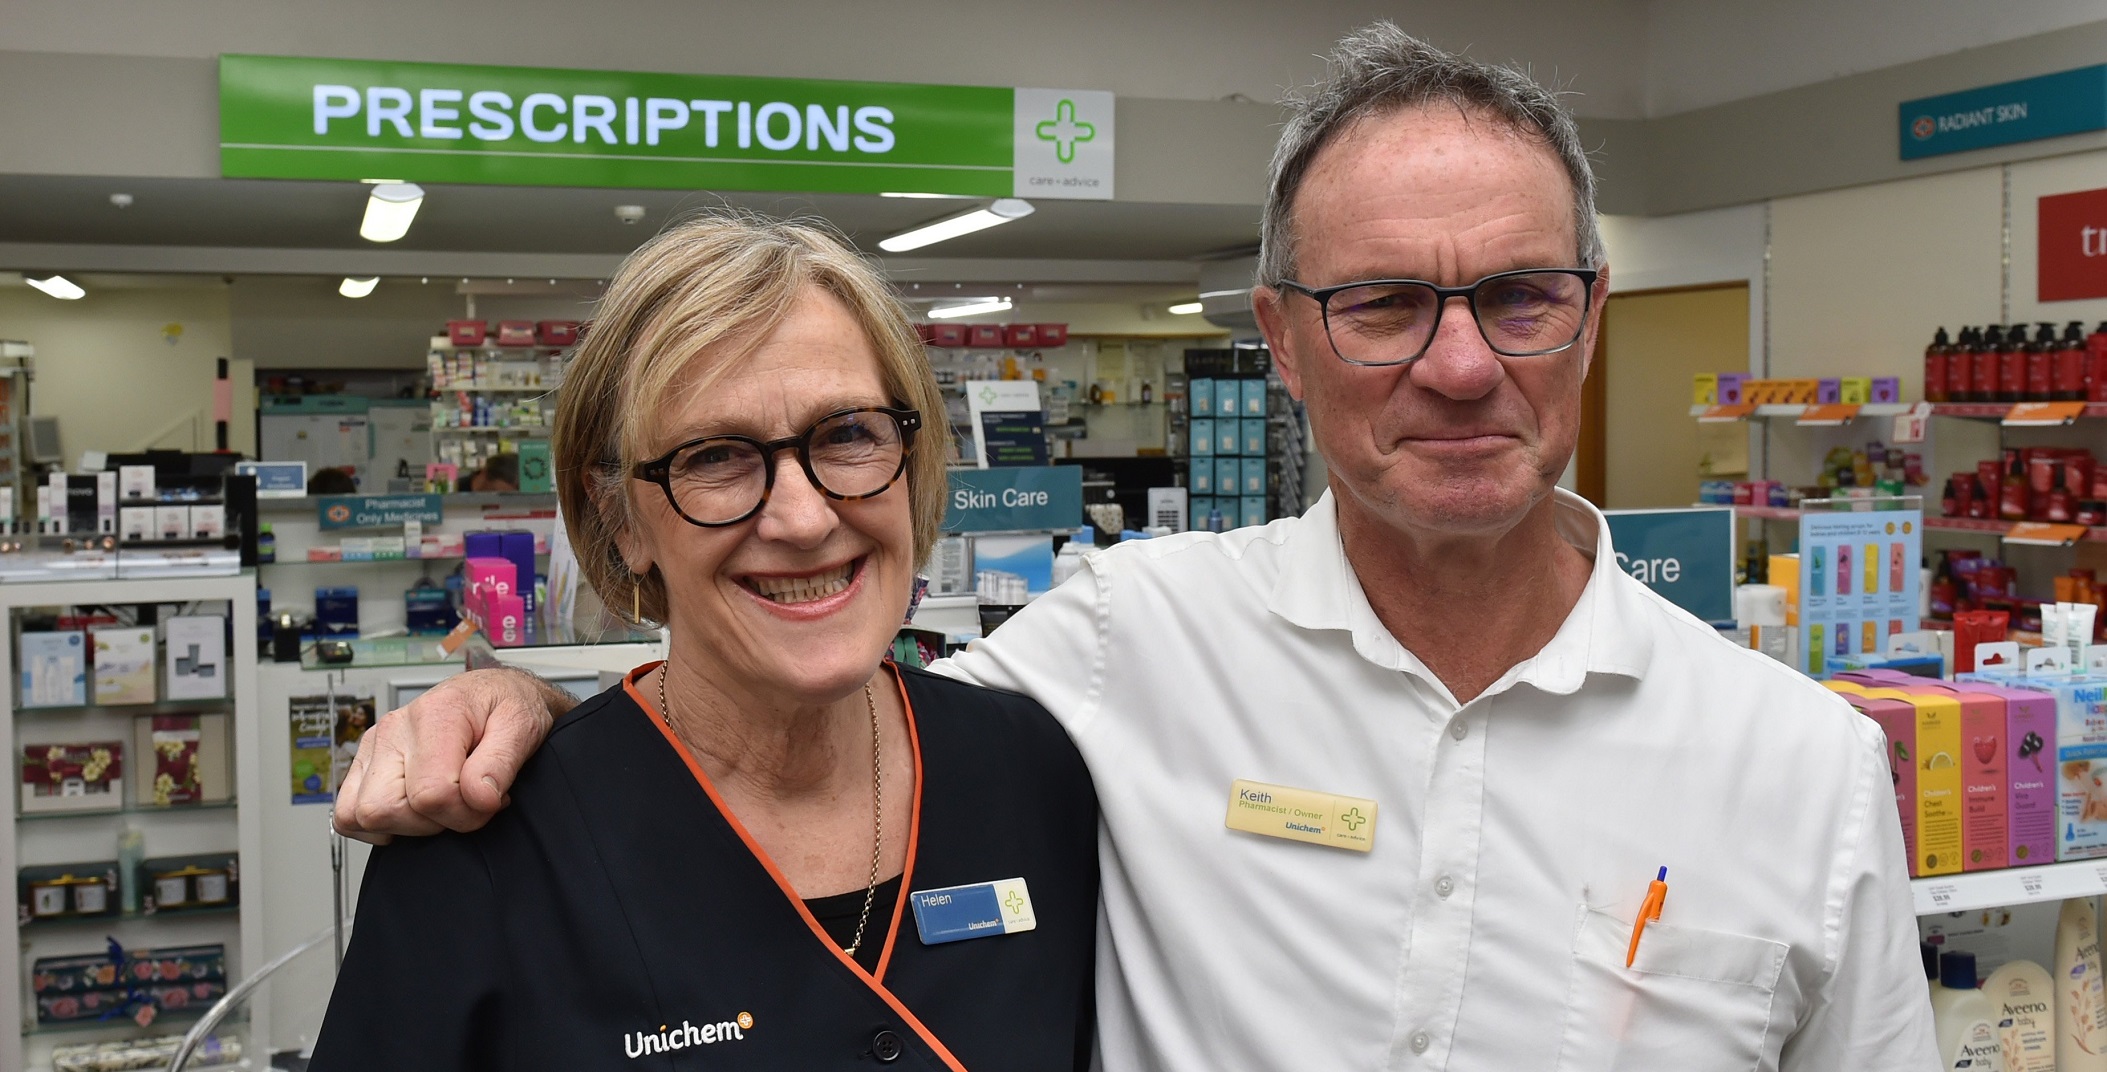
x,y
1517,834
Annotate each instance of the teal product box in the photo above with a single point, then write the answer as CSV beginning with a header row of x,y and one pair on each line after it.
x,y
536,474
1254,397
1202,438
1251,476
1226,475
1253,437
1200,481
1226,441
1228,397
1201,504
1201,393
1251,510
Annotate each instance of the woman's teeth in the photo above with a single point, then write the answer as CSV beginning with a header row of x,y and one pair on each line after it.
x,y
802,589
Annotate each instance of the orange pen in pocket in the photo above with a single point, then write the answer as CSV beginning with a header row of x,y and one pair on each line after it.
x,y
1656,896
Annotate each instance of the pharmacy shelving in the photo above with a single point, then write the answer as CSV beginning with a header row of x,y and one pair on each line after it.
x,y
44,838
2009,886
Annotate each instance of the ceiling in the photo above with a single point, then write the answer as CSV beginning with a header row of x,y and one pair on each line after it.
x,y
256,213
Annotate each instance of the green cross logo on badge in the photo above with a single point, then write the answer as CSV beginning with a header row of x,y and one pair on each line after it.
x,y
988,396
1014,903
1353,819
1064,130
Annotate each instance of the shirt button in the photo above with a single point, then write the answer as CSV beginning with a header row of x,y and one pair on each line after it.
x,y
1420,1042
886,1047
1458,730
1444,885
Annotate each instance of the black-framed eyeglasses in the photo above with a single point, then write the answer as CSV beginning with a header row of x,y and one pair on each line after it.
x,y
1525,313
725,479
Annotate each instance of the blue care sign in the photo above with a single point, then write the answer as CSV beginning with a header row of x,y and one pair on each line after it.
x,y
1015,499
377,511
1685,555
276,480
2048,106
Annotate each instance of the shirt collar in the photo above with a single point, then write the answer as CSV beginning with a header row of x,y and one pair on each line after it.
x,y
1606,632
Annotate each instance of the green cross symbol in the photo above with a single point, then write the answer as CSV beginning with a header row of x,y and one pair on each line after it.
x,y
1353,819
1064,130
1014,903
988,396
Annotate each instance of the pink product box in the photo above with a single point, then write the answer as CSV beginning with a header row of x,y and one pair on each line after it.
x,y
1985,769
2030,762
505,620
1899,721
1829,389
488,577
1730,384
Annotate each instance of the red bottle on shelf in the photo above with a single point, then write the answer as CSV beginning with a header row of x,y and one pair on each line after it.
x,y
2012,365
2069,375
2096,364
1935,357
1960,366
2041,365
1982,378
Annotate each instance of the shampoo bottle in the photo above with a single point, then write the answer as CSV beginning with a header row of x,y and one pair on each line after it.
x,y
2024,1002
1964,1020
2081,1037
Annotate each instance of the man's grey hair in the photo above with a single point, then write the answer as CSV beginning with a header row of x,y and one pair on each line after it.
x,y
1379,69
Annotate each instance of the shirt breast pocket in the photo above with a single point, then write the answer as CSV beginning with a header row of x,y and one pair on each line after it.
x,y
1694,1001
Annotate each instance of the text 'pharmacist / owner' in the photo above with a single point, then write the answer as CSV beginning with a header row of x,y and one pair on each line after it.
x,y
1499,737
776,848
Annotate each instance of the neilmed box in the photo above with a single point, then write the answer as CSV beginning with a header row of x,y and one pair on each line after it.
x,y
2030,770
2081,757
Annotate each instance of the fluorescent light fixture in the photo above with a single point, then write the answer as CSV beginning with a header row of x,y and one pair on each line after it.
x,y
1002,211
58,286
985,305
933,197
1187,308
357,288
389,211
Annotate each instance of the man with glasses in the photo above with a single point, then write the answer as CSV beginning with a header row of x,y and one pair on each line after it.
x,y
1401,783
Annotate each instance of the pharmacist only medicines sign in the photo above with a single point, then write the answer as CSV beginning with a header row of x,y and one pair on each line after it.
x,y
300,118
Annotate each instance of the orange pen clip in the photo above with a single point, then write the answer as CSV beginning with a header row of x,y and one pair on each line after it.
x,y
1656,896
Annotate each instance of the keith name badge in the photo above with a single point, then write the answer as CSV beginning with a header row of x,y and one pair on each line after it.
x,y
981,910
1302,815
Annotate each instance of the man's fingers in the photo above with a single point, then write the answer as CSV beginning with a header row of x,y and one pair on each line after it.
x,y
440,736
515,729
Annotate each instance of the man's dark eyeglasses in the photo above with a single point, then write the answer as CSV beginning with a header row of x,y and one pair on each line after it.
x,y
1523,313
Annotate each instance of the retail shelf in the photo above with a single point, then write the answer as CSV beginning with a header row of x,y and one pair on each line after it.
x,y
529,430
126,1024
2003,411
171,914
2095,534
1870,409
1768,513
2010,886
128,809
487,389
158,707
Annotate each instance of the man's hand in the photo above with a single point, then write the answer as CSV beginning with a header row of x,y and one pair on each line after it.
x,y
447,761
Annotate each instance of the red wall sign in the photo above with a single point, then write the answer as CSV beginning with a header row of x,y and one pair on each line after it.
x,y
2073,251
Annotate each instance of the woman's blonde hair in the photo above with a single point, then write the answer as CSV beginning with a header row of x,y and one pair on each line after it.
x,y
720,282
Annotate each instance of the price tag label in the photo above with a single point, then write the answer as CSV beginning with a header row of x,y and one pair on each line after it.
x,y
1910,427
1941,895
2031,885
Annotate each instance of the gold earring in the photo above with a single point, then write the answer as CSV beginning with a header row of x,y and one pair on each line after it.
x,y
636,599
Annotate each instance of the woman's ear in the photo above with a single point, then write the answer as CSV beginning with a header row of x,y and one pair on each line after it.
x,y
629,545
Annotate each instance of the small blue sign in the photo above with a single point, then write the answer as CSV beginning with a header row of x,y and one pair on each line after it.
x,y
1685,555
1018,499
979,910
378,511
2048,106
276,480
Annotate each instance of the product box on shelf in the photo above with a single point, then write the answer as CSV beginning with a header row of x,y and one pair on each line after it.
x,y
515,333
181,760
180,883
558,332
124,665
171,522
1228,398
1251,510
66,891
1201,434
1253,397
2030,758
87,776
197,657
1885,390
1052,335
1855,390
1018,336
336,611
1704,389
1227,438
466,332
135,483
1200,396
949,336
1898,720
984,336
54,668
1729,385
2081,755
1227,475
1941,791
137,984
1199,479
1253,437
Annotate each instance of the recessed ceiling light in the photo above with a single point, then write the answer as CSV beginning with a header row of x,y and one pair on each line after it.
x,y
1002,211
990,305
121,200
357,288
389,210
1187,308
57,286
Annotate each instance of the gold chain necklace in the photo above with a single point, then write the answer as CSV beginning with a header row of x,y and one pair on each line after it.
x,y
870,892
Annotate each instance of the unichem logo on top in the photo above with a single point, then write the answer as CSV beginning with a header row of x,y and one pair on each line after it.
x,y
667,1039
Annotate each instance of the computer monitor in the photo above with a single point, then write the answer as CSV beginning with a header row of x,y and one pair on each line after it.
x,y
44,446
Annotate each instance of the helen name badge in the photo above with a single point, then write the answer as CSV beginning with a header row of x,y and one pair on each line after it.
x,y
1302,815
981,910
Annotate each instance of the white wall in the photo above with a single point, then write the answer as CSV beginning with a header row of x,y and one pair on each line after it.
x,y
1691,249
107,367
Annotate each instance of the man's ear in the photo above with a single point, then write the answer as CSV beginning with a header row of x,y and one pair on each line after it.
x,y
1269,306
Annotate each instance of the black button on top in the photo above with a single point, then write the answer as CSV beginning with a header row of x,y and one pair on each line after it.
x,y
886,1047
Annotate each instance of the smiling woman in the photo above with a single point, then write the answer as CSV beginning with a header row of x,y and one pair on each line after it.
x,y
735,836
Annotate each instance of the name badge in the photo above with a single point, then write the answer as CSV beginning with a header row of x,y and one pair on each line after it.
x,y
981,910
1302,815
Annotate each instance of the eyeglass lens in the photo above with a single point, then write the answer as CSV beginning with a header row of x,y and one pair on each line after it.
x,y
723,479
1526,313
